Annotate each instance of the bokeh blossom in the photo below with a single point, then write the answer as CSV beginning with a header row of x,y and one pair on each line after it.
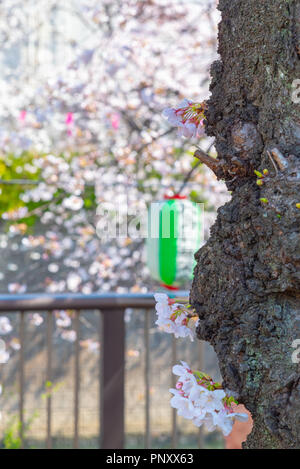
x,y
5,325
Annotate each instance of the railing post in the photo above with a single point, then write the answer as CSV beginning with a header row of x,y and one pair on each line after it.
x,y
21,377
76,380
49,384
147,378
112,374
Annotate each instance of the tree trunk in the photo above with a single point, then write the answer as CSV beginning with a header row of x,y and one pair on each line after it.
x,y
246,286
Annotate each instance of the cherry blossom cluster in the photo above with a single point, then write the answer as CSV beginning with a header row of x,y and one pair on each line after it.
x,y
197,396
97,135
199,399
173,317
188,117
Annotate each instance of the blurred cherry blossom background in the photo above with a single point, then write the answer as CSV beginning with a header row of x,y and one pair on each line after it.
x,y
83,84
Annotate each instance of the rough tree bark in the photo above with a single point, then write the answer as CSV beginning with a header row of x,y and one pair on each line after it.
x,y
246,288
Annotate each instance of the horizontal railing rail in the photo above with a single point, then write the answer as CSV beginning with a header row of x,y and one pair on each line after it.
x,y
39,302
111,360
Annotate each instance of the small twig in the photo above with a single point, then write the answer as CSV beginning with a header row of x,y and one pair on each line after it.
x,y
191,172
180,299
275,167
230,180
281,161
132,123
212,163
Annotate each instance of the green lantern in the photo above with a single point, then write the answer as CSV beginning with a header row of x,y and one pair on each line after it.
x,y
175,233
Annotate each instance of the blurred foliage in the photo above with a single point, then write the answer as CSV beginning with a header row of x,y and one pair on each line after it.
x,y
15,167
11,438
23,168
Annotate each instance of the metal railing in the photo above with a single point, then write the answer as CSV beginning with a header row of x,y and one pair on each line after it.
x,y
111,361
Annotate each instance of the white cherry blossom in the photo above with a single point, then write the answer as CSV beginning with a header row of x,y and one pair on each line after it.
x,y
199,399
174,318
5,325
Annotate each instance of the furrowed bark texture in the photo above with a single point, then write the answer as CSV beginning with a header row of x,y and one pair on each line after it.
x,y
246,287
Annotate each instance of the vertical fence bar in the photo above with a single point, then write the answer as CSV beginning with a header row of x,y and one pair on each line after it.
x,y
21,377
174,412
112,379
100,377
49,383
147,378
76,381
201,354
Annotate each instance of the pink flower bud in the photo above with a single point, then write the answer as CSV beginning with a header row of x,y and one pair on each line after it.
x,y
22,116
115,121
69,118
179,385
185,322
